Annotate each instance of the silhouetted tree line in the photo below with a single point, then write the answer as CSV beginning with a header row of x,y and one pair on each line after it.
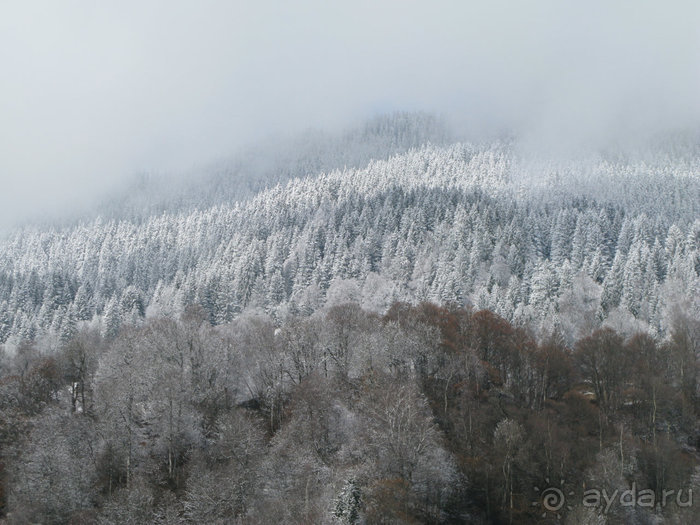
x,y
426,414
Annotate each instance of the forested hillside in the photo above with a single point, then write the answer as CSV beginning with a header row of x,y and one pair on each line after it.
x,y
272,161
377,327
423,415
349,263
554,246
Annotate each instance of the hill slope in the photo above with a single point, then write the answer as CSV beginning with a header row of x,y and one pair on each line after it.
x,y
538,242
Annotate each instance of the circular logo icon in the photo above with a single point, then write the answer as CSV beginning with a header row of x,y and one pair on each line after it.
x,y
552,499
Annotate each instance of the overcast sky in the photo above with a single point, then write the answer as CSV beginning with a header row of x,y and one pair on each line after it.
x,y
92,92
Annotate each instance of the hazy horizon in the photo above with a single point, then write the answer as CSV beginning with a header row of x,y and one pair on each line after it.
x,y
93,94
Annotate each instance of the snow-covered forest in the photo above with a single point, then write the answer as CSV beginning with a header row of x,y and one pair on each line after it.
x,y
380,326
349,263
558,247
423,415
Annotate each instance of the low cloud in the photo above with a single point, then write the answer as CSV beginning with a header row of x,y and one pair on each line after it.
x,y
92,93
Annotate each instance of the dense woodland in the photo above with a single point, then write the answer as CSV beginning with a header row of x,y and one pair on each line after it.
x,y
551,246
426,414
381,326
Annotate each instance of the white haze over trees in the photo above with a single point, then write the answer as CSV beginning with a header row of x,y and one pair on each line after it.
x,y
91,94
349,263
559,247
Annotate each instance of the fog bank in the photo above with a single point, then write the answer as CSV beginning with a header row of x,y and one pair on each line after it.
x,y
92,93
